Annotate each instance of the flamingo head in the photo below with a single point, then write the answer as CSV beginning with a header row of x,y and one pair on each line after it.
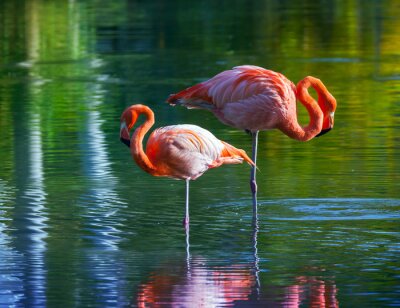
x,y
327,123
128,119
327,104
124,135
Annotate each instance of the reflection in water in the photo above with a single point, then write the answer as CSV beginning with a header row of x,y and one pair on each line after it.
x,y
30,220
101,205
194,283
234,284
311,290
68,240
200,285
255,254
30,217
11,291
35,192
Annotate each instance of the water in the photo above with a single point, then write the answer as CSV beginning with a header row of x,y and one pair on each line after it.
x,y
82,226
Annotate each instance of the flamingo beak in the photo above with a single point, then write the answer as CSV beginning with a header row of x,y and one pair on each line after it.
x,y
323,132
328,126
126,142
124,134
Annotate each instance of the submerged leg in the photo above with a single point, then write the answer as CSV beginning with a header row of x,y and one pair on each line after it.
x,y
253,183
186,219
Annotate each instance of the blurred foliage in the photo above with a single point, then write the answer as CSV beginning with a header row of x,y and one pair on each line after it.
x,y
55,53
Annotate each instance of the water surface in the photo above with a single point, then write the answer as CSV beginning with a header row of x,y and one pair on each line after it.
x,y
82,225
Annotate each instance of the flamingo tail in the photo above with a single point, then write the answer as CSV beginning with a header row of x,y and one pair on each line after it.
x,y
195,97
231,155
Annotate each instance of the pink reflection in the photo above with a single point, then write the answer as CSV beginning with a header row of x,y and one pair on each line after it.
x,y
315,292
200,286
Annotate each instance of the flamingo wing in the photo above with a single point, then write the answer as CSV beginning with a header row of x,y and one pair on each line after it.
x,y
235,85
246,97
187,151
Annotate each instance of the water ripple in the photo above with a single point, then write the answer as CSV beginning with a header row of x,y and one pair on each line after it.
x,y
334,209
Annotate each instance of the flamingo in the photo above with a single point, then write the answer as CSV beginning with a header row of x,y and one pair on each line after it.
x,y
178,151
254,99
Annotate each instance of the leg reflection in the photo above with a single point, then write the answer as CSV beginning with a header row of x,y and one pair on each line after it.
x,y
256,291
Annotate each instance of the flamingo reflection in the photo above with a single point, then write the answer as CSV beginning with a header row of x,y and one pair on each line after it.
x,y
196,283
202,286
208,286
312,290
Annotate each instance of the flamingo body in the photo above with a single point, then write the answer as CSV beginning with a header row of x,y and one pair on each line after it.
x,y
177,151
254,99
187,151
246,97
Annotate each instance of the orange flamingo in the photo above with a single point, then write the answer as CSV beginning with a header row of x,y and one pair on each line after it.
x,y
178,151
253,98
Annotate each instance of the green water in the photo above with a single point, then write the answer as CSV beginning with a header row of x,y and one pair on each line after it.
x,y
82,226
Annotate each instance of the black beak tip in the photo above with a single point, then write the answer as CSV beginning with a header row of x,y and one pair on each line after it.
x,y
323,132
126,142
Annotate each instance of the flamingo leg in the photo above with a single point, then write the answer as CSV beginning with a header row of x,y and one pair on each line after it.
x,y
186,219
253,183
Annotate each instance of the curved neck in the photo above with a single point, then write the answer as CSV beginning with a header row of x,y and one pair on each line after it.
x,y
136,143
291,127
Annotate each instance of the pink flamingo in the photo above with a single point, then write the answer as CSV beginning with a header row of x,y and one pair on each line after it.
x,y
178,151
253,98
